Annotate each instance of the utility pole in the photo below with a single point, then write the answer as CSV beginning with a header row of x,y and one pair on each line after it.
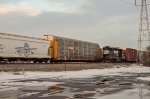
x,y
140,91
144,32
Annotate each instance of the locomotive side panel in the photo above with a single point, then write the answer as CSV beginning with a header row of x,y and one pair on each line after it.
x,y
112,54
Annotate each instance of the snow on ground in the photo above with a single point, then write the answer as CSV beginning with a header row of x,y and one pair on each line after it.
x,y
35,83
144,78
8,88
28,94
4,76
127,94
8,79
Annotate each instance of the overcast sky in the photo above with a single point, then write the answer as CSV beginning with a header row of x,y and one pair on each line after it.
x,y
107,22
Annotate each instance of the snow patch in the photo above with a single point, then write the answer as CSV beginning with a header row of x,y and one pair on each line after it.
x,y
144,78
4,76
28,94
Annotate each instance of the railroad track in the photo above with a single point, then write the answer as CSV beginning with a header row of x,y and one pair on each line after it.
x,y
56,67
47,63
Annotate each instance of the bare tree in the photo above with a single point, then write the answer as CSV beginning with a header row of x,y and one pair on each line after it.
x,y
146,57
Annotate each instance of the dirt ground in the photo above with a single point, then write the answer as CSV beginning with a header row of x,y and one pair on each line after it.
x,y
58,67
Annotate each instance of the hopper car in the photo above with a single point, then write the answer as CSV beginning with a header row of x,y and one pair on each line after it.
x,y
22,48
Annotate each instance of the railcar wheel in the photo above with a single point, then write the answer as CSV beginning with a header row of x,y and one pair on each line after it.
x,y
40,61
34,61
45,61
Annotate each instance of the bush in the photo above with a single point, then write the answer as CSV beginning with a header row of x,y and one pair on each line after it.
x,y
147,57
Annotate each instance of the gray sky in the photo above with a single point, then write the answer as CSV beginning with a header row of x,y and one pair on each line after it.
x,y
107,22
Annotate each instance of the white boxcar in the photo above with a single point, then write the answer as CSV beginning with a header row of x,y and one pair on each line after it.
x,y
22,47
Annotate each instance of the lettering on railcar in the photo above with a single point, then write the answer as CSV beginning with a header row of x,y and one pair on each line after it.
x,y
25,50
1,48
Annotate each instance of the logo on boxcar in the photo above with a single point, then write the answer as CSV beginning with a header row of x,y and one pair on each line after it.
x,y
25,50
1,48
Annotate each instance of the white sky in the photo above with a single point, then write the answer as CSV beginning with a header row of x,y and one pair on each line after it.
x,y
107,22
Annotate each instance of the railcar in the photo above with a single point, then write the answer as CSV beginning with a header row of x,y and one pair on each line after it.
x,y
130,55
22,48
71,50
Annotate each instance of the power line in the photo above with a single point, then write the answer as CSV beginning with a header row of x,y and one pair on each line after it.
x,y
131,4
144,31
128,2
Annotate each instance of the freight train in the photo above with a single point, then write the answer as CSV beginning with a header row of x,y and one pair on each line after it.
x,y
53,49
